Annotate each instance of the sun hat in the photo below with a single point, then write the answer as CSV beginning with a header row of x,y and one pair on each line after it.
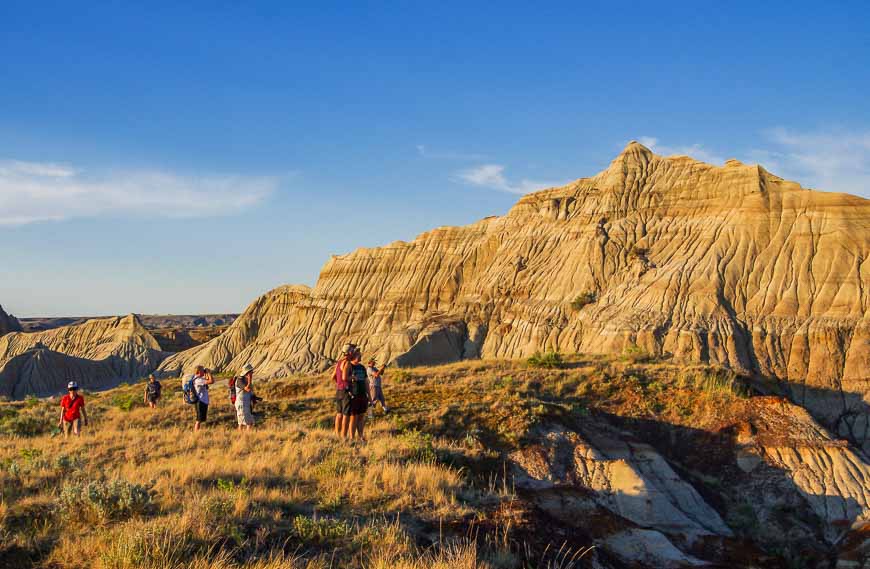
x,y
348,349
72,385
247,369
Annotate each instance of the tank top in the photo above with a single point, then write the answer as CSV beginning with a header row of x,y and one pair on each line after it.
x,y
340,383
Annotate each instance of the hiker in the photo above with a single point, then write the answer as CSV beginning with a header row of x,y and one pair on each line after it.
x,y
359,402
376,394
152,391
202,378
72,411
244,396
342,390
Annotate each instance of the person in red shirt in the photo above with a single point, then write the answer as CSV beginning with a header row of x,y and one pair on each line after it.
x,y
72,411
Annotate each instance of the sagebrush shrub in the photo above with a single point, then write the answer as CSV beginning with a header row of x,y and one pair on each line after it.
x,y
101,501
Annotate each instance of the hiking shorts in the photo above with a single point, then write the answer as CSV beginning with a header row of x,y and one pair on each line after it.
x,y
75,426
201,411
342,402
359,405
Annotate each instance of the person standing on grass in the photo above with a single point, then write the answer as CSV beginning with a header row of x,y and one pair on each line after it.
x,y
376,394
342,378
152,391
202,378
244,396
359,402
72,411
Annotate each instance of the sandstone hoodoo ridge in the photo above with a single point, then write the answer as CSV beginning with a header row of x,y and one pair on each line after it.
x,y
97,353
730,265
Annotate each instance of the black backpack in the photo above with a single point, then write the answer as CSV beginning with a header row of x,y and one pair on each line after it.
x,y
359,386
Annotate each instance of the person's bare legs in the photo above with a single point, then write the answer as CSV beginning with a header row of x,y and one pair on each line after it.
x,y
339,425
352,423
360,427
196,426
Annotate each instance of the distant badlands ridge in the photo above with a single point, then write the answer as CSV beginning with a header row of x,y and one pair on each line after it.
x,y
150,321
730,265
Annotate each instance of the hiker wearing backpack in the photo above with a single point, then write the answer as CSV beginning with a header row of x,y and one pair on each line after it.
x,y
152,391
359,402
244,396
376,377
343,397
196,393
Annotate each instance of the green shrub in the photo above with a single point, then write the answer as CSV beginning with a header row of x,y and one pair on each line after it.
x,y
420,445
584,299
24,425
548,360
321,530
125,401
101,501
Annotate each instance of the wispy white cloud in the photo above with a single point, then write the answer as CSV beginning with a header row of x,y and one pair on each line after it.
x,y
697,151
42,191
425,152
830,160
492,176
835,160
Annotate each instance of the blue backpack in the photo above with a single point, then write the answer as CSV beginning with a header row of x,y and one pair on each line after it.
x,y
190,395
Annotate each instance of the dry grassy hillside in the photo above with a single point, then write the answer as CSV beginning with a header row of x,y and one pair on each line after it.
x,y
432,488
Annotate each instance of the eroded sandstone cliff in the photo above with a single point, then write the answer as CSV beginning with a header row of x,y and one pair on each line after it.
x,y
730,265
96,354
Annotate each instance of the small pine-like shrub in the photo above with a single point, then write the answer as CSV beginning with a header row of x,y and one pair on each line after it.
x,y
548,360
421,446
583,300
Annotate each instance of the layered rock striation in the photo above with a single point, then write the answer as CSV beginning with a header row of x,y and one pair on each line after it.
x,y
661,495
729,265
96,353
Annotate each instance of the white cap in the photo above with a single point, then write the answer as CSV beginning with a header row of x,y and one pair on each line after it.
x,y
72,385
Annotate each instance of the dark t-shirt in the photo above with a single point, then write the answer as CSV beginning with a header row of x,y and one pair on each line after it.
x,y
153,388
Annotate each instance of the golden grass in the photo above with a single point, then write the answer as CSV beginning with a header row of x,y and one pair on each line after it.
x,y
290,494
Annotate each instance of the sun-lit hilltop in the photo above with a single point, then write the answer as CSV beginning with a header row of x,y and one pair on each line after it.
x,y
729,265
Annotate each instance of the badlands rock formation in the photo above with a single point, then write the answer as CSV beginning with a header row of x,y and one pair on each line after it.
x,y
730,265
636,487
8,323
96,354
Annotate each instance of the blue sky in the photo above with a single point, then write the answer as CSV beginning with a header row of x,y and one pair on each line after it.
x,y
186,157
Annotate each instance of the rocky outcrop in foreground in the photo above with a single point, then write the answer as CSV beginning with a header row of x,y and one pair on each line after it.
x,y
729,265
97,354
658,495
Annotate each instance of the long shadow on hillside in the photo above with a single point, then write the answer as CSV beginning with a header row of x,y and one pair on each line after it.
x,y
845,414
758,500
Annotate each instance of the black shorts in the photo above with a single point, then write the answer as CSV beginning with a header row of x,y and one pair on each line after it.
x,y
342,402
201,411
359,405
